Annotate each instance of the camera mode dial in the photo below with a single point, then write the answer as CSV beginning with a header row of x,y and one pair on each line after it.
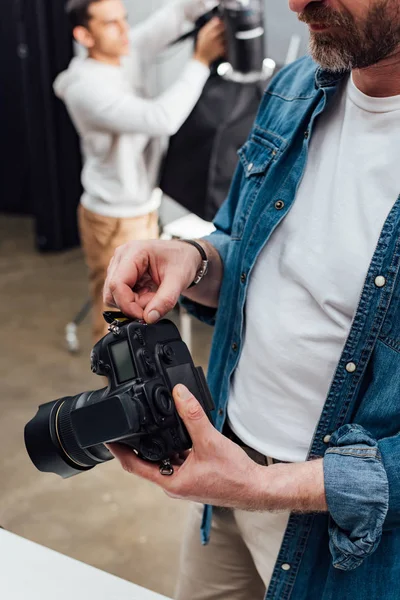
x,y
98,366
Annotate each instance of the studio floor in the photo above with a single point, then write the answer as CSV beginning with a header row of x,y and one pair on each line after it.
x,y
105,517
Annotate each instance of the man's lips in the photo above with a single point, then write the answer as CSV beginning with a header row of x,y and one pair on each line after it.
x,y
318,26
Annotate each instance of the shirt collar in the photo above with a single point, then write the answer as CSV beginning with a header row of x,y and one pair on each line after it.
x,y
326,78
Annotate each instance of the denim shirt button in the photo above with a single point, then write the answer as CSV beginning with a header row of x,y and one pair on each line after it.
x,y
380,281
286,567
234,347
250,166
351,367
327,439
306,135
221,412
279,205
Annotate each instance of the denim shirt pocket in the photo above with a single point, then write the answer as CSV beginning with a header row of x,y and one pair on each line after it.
x,y
256,157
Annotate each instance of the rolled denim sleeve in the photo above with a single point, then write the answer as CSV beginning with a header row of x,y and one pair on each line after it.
x,y
357,492
202,313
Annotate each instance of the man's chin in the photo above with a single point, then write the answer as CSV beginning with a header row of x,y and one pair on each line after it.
x,y
326,56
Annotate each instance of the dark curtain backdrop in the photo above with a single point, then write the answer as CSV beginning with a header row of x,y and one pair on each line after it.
x,y
41,162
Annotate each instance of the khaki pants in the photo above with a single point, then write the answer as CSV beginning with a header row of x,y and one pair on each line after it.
x,y
239,560
100,236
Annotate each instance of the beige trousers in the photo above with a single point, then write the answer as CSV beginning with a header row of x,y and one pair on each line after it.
x,y
100,237
238,562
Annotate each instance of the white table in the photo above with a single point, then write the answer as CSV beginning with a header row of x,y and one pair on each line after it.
x,y
32,572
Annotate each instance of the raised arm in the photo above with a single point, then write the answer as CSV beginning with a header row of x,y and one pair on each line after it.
x,y
119,113
104,108
163,27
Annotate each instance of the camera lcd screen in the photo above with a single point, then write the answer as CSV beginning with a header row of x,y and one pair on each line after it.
x,y
123,363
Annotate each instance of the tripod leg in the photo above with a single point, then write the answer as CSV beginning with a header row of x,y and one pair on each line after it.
x,y
83,313
71,330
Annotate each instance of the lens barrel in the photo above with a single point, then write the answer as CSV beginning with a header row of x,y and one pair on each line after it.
x,y
67,440
43,446
52,445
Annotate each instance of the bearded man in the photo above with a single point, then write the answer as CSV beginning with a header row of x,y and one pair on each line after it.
x,y
301,474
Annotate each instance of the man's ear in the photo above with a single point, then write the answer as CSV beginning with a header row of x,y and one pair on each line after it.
x,y
83,36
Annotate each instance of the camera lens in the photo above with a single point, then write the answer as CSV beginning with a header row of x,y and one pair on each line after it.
x,y
52,445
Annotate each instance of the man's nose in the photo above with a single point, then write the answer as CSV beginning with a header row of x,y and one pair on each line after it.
x,y
298,6
124,25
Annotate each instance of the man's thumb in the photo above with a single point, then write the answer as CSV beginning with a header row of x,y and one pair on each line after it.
x,y
191,413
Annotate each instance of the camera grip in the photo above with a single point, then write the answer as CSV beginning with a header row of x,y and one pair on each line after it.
x,y
206,394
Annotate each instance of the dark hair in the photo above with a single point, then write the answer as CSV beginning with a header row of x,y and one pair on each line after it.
x,y
78,12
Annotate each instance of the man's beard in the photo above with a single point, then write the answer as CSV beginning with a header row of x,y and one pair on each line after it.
x,y
354,45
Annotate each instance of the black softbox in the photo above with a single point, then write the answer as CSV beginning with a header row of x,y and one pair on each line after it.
x,y
202,156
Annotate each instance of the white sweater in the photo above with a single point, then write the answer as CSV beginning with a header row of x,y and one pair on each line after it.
x,y
119,127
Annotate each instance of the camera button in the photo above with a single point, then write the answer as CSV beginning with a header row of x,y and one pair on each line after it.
x,y
147,362
152,449
94,362
139,336
167,354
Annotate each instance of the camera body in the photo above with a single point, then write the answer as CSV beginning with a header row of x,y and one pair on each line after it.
x,y
142,363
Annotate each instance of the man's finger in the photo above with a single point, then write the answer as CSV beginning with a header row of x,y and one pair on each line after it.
x,y
125,298
215,23
144,299
164,299
134,465
109,300
193,415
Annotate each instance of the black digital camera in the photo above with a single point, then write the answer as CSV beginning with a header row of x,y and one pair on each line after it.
x,y
142,363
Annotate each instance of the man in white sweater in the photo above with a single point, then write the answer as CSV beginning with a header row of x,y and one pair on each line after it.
x,y
120,126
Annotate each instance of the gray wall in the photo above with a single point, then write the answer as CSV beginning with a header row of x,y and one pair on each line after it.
x,y
281,24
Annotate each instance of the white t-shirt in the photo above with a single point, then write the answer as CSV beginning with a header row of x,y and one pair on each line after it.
x,y
306,284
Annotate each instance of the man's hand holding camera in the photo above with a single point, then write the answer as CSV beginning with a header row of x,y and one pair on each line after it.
x,y
145,280
205,474
218,472
211,42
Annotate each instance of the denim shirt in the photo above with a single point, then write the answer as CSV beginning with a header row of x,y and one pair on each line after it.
x,y
353,552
